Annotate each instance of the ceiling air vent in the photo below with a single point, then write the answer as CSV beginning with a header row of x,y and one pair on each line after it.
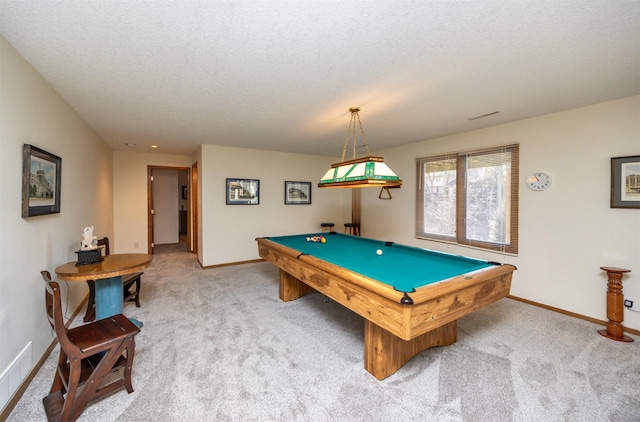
x,y
484,115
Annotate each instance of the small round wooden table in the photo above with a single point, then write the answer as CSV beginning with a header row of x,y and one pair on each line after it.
x,y
108,277
615,307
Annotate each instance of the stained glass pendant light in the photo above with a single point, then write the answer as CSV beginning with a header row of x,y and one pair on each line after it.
x,y
360,172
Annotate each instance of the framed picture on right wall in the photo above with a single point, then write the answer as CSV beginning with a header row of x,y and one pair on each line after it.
x,y
625,182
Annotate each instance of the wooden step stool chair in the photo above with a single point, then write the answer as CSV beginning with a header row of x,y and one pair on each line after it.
x,y
352,228
130,286
89,355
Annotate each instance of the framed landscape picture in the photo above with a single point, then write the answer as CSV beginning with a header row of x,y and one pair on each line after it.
x,y
41,172
243,192
297,193
625,182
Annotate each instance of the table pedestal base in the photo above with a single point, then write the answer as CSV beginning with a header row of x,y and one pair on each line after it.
x,y
385,353
109,299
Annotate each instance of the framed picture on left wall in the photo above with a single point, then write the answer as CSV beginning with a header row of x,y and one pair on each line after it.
x,y
41,172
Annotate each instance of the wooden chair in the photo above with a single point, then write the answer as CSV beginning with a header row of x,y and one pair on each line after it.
x,y
88,354
130,287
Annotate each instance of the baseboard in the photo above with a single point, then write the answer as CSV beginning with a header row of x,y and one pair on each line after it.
x,y
571,314
230,264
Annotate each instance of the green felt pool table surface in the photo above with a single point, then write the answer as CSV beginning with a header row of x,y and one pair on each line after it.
x,y
402,267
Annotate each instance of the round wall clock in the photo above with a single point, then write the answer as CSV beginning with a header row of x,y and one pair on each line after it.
x,y
539,181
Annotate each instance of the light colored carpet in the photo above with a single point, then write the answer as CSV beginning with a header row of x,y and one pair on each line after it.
x,y
218,345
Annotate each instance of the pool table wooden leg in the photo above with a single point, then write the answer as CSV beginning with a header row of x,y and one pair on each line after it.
x,y
385,353
291,288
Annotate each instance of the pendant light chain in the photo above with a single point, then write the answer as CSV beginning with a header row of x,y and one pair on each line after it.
x,y
364,138
346,138
354,115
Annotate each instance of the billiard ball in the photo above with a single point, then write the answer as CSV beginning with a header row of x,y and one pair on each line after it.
x,y
379,251
323,240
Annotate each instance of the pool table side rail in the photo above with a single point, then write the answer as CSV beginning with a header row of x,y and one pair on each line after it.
x,y
456,297
460,282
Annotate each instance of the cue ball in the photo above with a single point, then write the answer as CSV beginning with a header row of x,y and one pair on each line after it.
x,y
379,251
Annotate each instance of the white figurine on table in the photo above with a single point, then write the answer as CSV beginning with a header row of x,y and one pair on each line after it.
x,y
90,241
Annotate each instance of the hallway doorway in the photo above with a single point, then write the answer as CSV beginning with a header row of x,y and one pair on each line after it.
x,y
168,209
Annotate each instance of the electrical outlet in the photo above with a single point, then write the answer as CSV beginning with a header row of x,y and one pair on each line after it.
x,y
630,304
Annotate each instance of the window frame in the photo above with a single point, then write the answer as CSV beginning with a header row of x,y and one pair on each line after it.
x,y
510,245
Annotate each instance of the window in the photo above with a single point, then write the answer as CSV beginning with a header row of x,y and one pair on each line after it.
x,y
470,198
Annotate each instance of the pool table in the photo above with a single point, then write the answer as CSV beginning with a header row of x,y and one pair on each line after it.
x,y
410,298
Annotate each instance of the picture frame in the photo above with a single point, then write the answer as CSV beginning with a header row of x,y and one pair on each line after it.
x,y
625,182
41,181
243,192
297,193
184,192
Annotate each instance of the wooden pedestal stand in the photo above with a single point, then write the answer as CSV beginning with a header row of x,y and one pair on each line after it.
x,y
615,307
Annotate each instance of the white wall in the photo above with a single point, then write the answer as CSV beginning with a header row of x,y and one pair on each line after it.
x,y
130,196
229,231
566,232
32,112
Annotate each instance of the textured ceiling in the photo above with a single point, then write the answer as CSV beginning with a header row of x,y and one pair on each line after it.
x,y
281,75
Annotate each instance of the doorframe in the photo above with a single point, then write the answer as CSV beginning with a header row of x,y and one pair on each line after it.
x,y
150,211
192,222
